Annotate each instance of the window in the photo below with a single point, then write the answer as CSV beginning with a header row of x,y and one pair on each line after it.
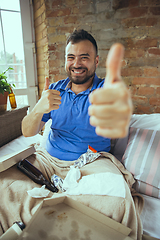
x,y
17,49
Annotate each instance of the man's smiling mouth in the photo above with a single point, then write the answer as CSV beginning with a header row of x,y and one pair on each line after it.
x,y
78,71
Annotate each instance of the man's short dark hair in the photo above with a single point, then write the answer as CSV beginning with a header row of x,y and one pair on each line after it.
x,y
80,35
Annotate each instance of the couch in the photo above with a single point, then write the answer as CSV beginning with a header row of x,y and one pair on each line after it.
x,y
140,154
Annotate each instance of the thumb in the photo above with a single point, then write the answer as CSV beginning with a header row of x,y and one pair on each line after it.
x,y
113,64
46,84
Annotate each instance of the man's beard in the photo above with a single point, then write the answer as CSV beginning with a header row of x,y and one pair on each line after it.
x,y
78,79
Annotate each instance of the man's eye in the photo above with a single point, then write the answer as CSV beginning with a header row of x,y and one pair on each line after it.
x,y
85,58
70,58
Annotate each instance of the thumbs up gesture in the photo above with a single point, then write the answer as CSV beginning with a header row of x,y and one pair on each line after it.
x,y
50,99
111,107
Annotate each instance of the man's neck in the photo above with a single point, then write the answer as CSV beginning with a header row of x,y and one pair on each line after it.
x,y
77,88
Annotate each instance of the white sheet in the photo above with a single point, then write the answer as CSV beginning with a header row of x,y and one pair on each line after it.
x,y
151,216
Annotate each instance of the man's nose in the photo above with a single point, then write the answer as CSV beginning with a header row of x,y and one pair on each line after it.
x,y
77,62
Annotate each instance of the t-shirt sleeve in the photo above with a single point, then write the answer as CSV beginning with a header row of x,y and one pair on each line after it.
x,y
45,117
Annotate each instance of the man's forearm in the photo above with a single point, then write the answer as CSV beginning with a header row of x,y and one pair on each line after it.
x,y
32,124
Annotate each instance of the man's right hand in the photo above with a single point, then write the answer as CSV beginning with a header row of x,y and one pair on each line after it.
x,y
50,99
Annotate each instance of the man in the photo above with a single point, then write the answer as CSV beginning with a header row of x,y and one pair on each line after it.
x,y
84,109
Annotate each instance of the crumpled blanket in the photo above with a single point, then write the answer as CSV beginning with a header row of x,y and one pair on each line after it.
x,y
17,205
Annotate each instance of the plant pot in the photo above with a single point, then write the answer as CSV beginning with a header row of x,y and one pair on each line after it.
x,y
3,101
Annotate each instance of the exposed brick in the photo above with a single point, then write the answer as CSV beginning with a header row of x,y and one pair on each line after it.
x,y
133,90
157,109
153,31
70,2
149,2
54,64
155,10
142,62
56,38
134,53
151,22
117,4
59,12
140,31
145,91
103,6
154,101
120,14
75,9
131,72
70,19
54,72
134,22
124,63
154,51
142,43
87,8
56,3
147,81
51,30
151,72
40,64
59,77
140,99
51,47
144,109
64,29
56,55
158,91
128,81
56,22
42,57
138,11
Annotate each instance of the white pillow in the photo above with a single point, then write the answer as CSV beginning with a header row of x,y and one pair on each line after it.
x,y
19,144
142,121
146,121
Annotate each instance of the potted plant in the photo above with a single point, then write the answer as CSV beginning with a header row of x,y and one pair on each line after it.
x,y
5,90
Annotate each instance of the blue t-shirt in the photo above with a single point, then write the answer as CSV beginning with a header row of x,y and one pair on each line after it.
x,y
71,132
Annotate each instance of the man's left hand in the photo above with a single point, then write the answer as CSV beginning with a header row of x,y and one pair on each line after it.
x,y
112,107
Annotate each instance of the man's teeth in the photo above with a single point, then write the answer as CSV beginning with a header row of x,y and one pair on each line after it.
x,y
78,71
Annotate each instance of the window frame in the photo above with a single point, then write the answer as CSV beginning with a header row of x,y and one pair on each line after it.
x,y
28,36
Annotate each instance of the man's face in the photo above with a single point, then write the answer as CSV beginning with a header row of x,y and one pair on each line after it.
x,y
81,61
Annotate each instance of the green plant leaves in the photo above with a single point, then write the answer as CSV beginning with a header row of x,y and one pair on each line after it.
x,y
4,85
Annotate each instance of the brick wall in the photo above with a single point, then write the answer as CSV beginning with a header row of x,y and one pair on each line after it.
x,y
42,54
134,23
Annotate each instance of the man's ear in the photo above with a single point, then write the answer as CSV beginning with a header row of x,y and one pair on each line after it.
x,y
97,60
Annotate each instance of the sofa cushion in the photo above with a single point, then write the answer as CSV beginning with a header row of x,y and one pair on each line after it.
x,y
142,159
145,121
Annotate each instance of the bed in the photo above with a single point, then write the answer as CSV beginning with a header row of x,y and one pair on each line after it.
x,y
143,139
